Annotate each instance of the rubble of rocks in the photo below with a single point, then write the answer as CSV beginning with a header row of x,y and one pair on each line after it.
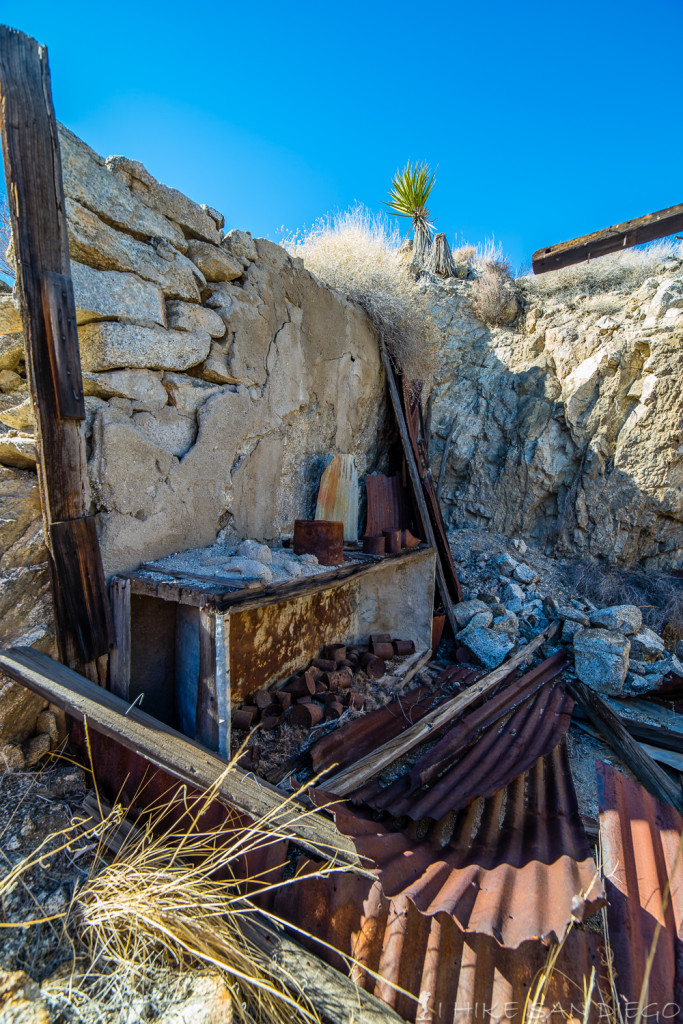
x,y
508,601
248,561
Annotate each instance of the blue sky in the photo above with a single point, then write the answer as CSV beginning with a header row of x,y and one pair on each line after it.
x,y
546,120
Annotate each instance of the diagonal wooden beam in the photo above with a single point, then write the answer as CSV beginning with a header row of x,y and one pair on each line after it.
x,y
612,239
33,173
170,750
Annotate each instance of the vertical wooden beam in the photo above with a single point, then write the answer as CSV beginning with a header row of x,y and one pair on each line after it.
x,y
119,660
206,721
33,173
416,483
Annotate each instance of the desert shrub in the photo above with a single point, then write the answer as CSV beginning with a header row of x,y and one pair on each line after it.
x,y
493,299
659,595
6,256
620,271
360,254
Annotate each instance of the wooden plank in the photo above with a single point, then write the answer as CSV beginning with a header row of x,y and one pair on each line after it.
x,y
33,175
206,720
119,661
186,760
76,552
416,483
612,239
335,996
357,774
59,310
654,778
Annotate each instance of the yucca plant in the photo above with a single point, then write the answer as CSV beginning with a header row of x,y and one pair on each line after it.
x,y
408,195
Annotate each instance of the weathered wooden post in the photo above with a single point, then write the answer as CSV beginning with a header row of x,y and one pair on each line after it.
x,y
35,192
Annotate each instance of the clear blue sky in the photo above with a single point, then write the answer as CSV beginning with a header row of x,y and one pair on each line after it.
x,y
546,119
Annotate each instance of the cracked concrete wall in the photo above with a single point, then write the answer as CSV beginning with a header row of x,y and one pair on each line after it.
x,y
219,376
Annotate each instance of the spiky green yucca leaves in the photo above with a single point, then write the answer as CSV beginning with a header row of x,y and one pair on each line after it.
x,y
408,195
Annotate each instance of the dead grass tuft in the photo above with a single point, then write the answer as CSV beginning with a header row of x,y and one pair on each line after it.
x,y
175,896
493,299
658,594
361,255
620,272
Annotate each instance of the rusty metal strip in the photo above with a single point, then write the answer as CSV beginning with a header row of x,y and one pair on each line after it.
x,y
517,866
640,842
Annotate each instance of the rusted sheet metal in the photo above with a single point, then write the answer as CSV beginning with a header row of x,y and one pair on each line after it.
x,y
357,738
339,496
641,837
386,504
272,641
447,977
436,785
517,866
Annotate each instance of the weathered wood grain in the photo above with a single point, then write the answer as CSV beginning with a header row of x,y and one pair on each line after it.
x,y
612,239
33,174
186,760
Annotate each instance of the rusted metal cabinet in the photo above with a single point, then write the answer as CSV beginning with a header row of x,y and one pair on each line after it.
x,y
196,647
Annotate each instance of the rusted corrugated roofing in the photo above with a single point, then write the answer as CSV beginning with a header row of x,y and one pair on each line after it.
x,y
516,866
449,977
386,504
641,837
443,780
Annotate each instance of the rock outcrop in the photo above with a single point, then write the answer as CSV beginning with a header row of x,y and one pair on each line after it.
x,y
567,426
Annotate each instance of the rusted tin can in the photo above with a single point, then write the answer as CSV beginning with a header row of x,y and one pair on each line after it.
x,y
438,623
319,537
392,541
373,546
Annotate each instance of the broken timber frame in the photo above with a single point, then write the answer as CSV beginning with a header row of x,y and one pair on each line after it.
x,y
169,750
612,239
35,192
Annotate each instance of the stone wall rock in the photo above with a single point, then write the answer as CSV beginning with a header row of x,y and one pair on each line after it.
x,y
219,375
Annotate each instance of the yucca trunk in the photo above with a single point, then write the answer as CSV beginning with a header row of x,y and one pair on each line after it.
x,y
440,258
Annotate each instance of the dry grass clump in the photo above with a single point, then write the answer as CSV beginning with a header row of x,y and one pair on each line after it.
x,y
492,299
173,897
622,271
360,254
659,595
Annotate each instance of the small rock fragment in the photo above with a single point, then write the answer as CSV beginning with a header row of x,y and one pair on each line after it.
x,y
525,574
36,748
626,618
646,644
488,646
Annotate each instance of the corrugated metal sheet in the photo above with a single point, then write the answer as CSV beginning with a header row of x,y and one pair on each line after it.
x,y
385,504
641,840
339,495
450,977
444,780
516,866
